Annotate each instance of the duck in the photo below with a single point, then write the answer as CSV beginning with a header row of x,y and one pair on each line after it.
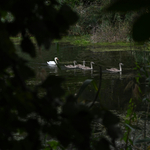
x,y
88,68
53,63
81,66
115,69
72,66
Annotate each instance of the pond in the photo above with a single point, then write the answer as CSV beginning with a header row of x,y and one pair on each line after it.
x,y
116,89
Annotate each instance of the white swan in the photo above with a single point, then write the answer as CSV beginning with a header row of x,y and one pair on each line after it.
x,y
116,70
88,68
53,63
81,66
71,66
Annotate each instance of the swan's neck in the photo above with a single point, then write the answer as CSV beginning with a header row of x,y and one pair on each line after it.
x,y
74,63
83,63
120,67
55,60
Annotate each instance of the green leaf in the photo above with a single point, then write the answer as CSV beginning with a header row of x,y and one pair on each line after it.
x,y
136,139
54,144
145,118
125,136
95,86
145,99
131,142
130,127
3,13
133,127
143,140
129,147
84,85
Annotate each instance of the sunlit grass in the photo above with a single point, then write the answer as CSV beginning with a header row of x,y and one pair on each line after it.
x,y
85,40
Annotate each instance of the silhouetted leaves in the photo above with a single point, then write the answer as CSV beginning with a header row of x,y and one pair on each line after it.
x,y
102,144
110,121
128,5
143,140
53,85
77,118
25,71
28,47
22,108
84,85
113,119
140,30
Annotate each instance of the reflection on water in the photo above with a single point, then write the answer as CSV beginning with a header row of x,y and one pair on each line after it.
x,y
53,70
113,94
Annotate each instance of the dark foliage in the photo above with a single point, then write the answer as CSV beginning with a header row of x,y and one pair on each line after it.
x,y
20,105
140,30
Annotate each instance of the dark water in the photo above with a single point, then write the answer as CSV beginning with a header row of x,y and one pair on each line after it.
x,y
115,91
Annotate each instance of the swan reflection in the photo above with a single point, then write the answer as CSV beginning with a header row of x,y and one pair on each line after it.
x,y
87,71
53,69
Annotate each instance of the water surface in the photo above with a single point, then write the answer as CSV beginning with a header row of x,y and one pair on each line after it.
x,y
114,93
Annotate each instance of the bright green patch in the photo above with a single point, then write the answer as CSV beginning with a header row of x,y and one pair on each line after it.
x,y
110,49
85,40
76,40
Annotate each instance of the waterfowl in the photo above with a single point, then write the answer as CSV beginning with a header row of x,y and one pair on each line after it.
x,y
80,66
115,69
71,66
53,63
88,68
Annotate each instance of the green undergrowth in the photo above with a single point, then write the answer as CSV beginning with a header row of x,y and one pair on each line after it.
x,y
86,41
108,48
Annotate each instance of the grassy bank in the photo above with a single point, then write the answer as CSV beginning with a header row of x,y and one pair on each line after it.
x,y
87,42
